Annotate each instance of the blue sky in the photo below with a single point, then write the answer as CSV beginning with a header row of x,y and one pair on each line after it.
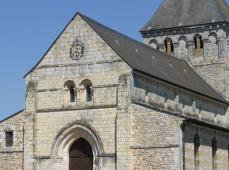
x,y
28,27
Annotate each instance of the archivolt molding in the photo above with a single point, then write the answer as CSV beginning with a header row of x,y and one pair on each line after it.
x,y
68,135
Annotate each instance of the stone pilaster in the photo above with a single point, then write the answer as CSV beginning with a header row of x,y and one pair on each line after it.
x,y
29,128
190,50
221,47
176,45
123,124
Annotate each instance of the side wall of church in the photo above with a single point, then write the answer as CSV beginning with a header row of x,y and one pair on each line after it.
x,y
11,157
211,61
204,157
158,114
156,139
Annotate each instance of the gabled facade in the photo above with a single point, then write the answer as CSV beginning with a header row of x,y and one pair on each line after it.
x,y
100,100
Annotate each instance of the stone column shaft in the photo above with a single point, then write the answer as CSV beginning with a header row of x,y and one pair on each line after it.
x,y
205,41
190,50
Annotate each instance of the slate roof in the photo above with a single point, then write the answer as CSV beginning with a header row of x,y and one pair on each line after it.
x,y
180,13
153,62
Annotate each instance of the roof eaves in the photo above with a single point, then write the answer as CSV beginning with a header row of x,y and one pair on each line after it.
x,y
15,114
224,101
144,30
205,124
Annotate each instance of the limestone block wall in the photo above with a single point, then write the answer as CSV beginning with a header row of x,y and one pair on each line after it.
x,y
214,39
11,161
156,139
50,124
12,157
205,150
99,64
158,129
54,97
216,74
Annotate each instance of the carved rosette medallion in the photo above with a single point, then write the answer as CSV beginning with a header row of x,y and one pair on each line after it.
x,y
77,50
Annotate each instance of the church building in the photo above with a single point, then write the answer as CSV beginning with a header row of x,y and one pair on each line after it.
x,y
99,100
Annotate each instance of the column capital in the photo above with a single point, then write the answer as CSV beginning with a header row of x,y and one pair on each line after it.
x,y
176,44
190,43
205,40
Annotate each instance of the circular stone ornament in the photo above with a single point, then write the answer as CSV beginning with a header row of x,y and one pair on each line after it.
x,y
77,50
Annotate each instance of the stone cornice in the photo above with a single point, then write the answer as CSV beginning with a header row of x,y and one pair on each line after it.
x,y
77,107
185,29
79,64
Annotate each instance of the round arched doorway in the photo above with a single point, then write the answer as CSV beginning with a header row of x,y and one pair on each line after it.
x,y
81,155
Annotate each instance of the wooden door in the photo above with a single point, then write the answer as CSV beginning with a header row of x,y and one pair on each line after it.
x,y
81,156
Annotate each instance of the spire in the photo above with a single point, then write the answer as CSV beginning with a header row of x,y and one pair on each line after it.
x,y
180,13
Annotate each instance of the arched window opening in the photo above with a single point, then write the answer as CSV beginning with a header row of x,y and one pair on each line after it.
x,y
214,156
213,38
87,84
198,42
70,85
169,48
196,151
154,44
81,155
89,92
72,94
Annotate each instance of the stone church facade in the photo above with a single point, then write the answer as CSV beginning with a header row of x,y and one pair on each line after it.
x,y
100,100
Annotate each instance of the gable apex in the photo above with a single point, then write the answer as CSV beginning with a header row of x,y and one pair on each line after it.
x,y
54,42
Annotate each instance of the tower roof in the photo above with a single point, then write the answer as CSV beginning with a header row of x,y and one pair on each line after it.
x,y
180,13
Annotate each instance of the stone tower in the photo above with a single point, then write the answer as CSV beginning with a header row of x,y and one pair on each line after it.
x,y
197,31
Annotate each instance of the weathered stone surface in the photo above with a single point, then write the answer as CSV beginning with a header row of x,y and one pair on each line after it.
x,y
132,121
12,157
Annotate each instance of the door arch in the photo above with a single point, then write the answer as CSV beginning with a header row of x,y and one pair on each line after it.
x,y
67,136
81,155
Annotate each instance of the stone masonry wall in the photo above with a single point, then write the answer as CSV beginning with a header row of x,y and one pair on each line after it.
x,y
51,123
52,112
11,161
12,157
156,139
210,62
157,94
216,74
205,150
